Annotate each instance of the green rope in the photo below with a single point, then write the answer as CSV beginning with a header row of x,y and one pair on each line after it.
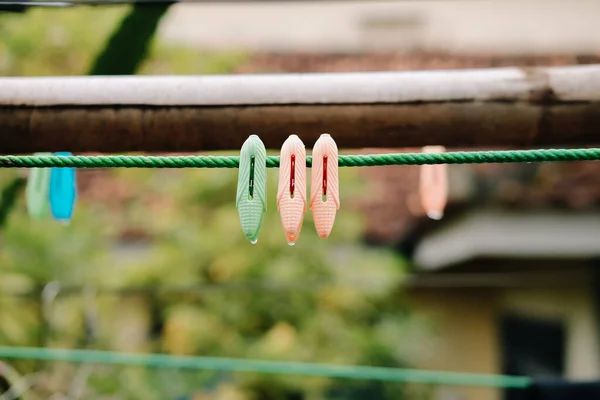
x,y
268,367
368,160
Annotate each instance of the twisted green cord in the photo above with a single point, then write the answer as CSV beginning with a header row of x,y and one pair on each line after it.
x,y
268,367
372,160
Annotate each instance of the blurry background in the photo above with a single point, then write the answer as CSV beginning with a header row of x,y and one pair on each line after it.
x,y
154,260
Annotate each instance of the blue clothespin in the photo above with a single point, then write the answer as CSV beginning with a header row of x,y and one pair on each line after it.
x,y
63,191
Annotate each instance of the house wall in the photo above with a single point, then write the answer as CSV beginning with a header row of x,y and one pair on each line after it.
x,y
465,330
464,337
575,308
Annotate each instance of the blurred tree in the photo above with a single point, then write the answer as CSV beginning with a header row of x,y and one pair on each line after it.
x,y
128,46
9,196
46,42
330,301
18,8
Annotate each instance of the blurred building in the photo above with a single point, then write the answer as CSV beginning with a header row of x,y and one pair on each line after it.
x,y
507,26
510,276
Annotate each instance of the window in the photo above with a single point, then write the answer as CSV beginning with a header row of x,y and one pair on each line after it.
x,y
532,347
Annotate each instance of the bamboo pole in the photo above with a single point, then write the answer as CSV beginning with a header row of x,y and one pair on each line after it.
x,y
506,107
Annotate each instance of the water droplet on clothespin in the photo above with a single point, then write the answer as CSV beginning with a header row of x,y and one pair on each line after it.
x,y
62,192
291,193
251,197
433,185
435,215
324,189
37,191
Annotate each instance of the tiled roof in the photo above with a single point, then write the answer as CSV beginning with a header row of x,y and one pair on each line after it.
x,y
305,62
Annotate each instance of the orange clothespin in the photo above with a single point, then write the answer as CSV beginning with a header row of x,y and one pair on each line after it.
x,y
324,190
433,185
291,194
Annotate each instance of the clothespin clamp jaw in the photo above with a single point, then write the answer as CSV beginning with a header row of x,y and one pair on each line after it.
x,y
63,191
251,198
324,193
291,194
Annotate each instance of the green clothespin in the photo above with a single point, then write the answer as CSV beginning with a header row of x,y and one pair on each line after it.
x,y
251,200
37,190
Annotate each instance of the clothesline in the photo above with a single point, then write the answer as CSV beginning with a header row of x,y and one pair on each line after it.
x,y
367,160
268,367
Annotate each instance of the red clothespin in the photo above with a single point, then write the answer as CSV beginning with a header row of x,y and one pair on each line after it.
x,y
324,190
291,195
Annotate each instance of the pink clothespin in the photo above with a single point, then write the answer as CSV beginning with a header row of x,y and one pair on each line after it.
x,y
324,190
291,194
433,185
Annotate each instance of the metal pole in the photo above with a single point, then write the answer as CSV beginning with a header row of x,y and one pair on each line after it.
x,y
505,107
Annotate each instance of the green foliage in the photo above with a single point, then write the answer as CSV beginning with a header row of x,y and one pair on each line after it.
x,y
8,197
319,301
46,42
329,301
129,44
54,42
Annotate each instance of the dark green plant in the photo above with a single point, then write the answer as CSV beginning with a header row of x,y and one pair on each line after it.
x,y
128,46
